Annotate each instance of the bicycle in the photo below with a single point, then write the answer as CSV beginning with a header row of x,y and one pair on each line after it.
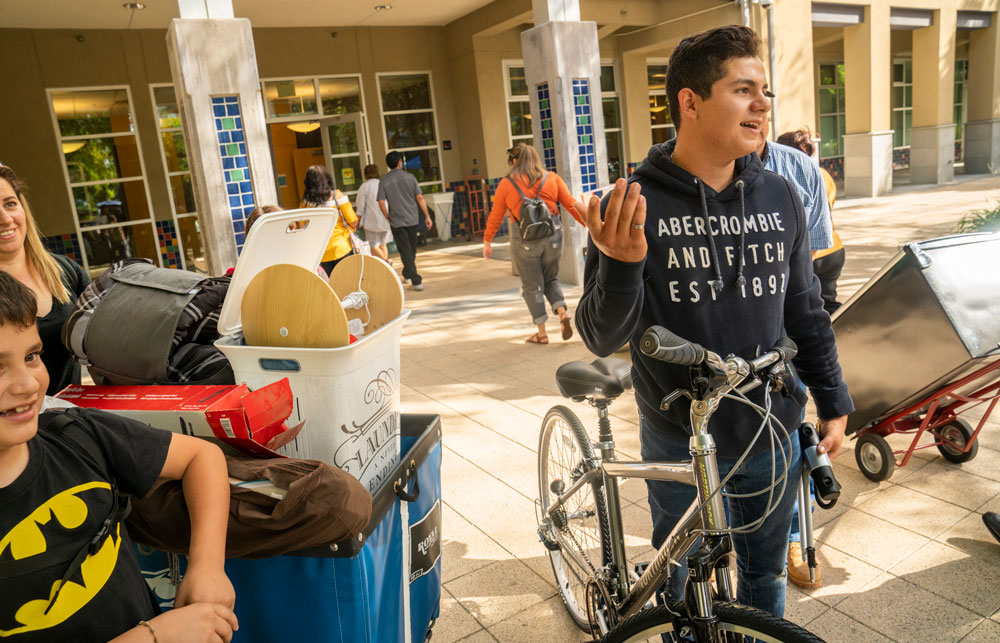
x,y
581,522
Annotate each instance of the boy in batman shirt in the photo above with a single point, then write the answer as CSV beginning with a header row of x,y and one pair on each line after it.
x,y
707,244
54,496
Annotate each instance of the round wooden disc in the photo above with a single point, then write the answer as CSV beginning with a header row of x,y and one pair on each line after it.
x,y
292,307
378,279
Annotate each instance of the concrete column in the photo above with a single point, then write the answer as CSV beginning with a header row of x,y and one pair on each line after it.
x,y
932,139
562,67
214,67
795,103
868,142
635,107
982,131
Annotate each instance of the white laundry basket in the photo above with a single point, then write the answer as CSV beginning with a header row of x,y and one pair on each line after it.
x,y
349,396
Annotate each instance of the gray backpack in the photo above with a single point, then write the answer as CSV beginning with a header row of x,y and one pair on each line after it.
x,y
534,219
139,324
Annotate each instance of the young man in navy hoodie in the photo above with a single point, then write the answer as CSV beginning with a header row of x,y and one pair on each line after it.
x,y
707,244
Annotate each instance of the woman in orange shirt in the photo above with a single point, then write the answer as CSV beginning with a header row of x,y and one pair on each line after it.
x,y
537,260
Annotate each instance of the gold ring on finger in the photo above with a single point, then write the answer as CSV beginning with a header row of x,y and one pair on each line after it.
x,y
638,226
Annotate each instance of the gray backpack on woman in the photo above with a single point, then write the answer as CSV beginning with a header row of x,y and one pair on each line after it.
x,y
534,219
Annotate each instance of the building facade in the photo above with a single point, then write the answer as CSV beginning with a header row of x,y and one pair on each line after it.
x,y
92,120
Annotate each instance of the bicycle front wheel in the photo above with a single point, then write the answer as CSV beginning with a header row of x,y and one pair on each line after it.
x,y
737,624
582,522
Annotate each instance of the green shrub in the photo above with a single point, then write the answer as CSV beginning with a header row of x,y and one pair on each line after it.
x,y
987,220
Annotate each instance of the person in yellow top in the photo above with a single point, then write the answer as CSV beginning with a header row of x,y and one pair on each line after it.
x,y
827,264
321,192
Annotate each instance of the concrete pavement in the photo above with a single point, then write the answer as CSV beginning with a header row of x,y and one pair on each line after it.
x,y
907,559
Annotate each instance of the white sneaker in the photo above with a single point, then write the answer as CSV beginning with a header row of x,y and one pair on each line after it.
x,y
417,287
406,281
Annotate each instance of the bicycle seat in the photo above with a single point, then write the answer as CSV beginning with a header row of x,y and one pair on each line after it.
x,y
604,378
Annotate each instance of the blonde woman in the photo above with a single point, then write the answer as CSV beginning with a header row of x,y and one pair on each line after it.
x,y
56,280
537,260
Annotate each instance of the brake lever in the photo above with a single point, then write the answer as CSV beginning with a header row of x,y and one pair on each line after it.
x,y
673,397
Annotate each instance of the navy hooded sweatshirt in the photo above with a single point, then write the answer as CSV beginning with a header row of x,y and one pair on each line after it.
x,y
730,270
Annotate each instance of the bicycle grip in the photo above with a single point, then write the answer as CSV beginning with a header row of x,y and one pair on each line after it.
x,y
787,349
659,343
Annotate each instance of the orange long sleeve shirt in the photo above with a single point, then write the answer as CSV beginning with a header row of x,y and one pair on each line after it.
x,y
507,199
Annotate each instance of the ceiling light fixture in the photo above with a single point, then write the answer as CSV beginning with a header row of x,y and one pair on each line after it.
x,y
134,6
71,146
383,7
303,128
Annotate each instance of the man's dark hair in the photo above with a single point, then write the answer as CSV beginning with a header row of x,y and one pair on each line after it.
x,y
392,159
17,303
699,61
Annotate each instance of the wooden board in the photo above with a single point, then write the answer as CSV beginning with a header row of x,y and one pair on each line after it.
x,y
292,307
379,280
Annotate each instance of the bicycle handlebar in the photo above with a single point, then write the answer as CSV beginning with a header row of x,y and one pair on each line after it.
x,y
659,343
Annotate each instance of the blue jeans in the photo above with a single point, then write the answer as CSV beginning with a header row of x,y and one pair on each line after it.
x,y
760,555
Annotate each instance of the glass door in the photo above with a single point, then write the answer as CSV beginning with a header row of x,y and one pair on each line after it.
x,y
344,150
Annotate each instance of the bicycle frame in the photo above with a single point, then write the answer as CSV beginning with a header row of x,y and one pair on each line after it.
x,y
701,472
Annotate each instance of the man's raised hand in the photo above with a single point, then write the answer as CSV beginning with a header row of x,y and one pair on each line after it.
x,y
621,235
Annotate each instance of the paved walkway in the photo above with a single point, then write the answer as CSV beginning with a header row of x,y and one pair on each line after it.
x,y
904,560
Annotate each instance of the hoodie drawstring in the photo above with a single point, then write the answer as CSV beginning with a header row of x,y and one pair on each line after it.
x,y
740,279
716,283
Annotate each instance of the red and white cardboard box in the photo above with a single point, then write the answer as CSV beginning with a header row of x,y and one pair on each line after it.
x,y
252,422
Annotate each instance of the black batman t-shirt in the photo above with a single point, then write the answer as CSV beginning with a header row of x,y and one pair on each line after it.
x,y
58,503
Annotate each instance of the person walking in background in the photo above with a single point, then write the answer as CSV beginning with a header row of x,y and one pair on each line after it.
x,y
56,280
374,213
404,197
537,260
321,192
828,263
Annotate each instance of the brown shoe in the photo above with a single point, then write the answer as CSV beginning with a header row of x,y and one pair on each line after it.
x,y
798,569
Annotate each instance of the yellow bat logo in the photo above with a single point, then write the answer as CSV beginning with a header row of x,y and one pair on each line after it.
x,y
26,540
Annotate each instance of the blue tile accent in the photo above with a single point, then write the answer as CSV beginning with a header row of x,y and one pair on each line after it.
x,y
584,134
235,168
545,122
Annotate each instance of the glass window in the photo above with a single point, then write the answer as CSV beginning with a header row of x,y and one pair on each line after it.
x,y
415,129
175,159
902,102
961,102
85,112
167,111
659,110
104,246
520,118
411,129
656,76
613,135
290,97
608,79
103,163
400,93
830,105
340,95
518,105
423,164
515,81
